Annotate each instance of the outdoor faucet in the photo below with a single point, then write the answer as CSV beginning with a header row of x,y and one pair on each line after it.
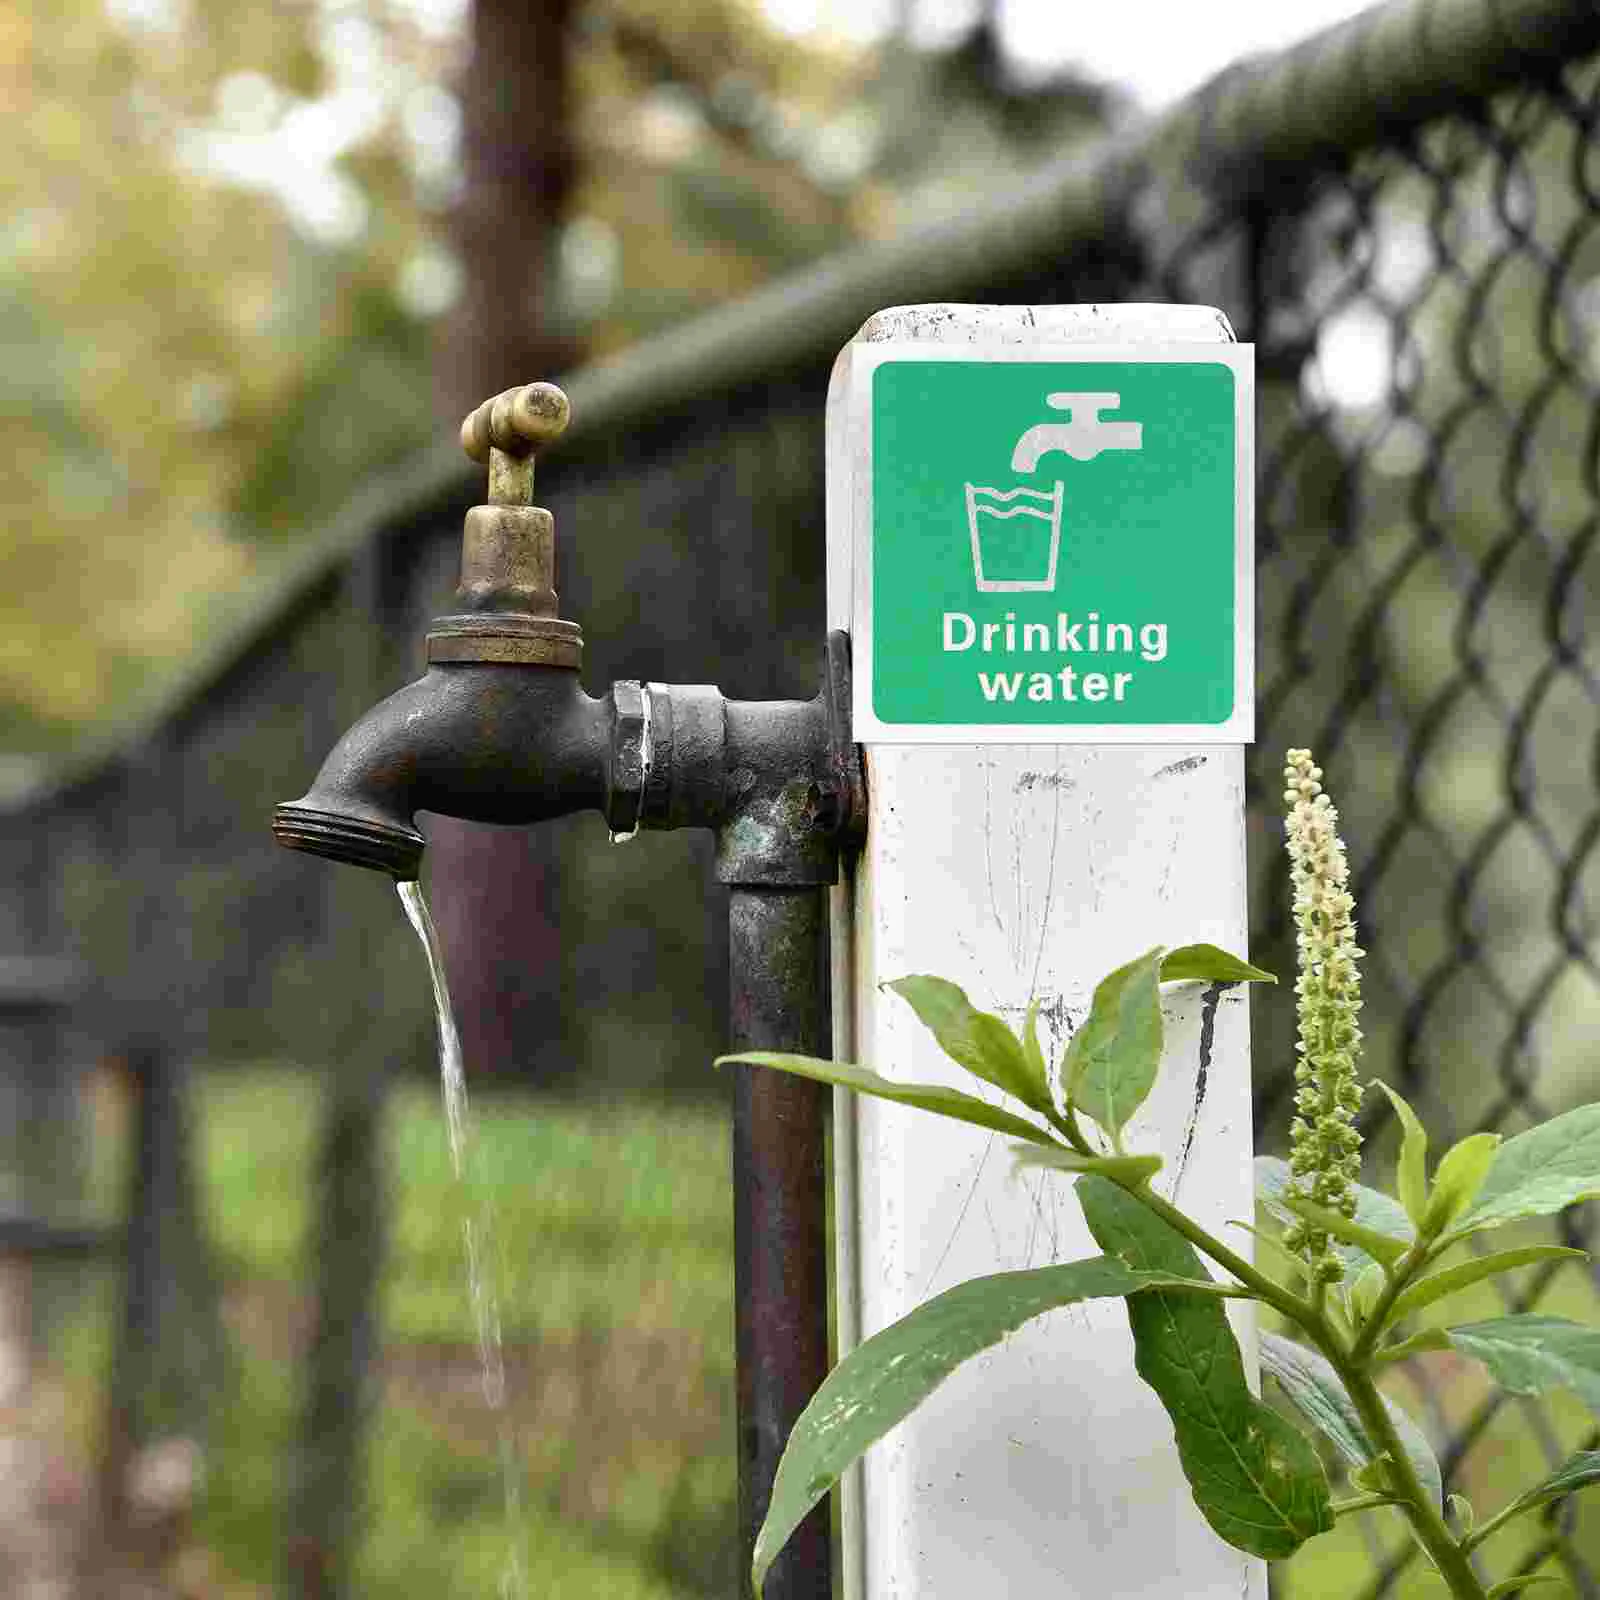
x,y
1083,435
500,730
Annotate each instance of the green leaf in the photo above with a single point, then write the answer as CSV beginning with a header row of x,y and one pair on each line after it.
x,y
1427,1340
1378,1246
1374,1476
1461,1509
1314,1388
1255,1477
1578,1471
1033,1056
1543,1170
1211,965
1438,1284
1374,1209
1367,1290
1528,1353
1509,1586
1458,1179
925,1096
1411,1170
973,1039
1130,1169
1287,1260
1112,1060
882,1381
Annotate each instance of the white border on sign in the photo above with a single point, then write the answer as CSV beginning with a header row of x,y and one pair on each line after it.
x,y
864,360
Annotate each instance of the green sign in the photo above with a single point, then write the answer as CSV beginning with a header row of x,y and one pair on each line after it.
x,y
1058,548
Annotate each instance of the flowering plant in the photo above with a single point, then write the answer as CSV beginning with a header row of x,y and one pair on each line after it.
x,y
1353,1265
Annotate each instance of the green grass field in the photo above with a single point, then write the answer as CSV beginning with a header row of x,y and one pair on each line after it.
x,y
614,1238
615,1244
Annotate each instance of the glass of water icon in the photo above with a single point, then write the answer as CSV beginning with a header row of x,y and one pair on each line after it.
x,y
1016,537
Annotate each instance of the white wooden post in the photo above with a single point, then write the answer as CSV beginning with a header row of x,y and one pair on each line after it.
x,y
1022,866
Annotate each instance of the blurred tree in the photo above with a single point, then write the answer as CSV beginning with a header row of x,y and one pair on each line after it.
x,y
173,327
228,241
489,885
519,165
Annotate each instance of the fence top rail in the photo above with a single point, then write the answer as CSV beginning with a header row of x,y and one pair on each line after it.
x,y
1367,80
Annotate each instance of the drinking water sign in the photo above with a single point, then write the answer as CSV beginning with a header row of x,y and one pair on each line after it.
x,y
1053,545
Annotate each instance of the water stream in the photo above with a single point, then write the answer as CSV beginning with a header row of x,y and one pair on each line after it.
x,y
477,1229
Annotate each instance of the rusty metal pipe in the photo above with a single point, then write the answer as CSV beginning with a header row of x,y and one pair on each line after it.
x,y
777,959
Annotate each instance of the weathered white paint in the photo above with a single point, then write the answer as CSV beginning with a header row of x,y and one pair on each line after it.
x,y
1043,1466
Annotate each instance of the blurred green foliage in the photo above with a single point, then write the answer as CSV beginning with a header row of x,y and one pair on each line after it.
x,y
228,251
1443,1393
615,1229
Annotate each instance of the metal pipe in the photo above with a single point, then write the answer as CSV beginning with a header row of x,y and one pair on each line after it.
x,y
780,1246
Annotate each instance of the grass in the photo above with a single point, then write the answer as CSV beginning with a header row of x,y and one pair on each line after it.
x,y
614,1234
613,1228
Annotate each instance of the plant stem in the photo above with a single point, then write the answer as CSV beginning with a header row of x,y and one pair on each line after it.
x,y
1493,1525
1405,1269
1419,1343
1425,1518
1298,1310
1411,1497
1362,1502
1259,1285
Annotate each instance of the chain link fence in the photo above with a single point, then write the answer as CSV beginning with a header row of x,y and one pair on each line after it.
x,y
1404,216
1427,314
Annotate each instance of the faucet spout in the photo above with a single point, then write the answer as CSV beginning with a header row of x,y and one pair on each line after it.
x,y
485,742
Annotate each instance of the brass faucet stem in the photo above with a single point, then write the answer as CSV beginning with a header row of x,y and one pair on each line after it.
x,y
507,592
510,479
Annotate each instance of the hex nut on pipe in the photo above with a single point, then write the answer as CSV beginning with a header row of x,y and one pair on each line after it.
x,y
625,776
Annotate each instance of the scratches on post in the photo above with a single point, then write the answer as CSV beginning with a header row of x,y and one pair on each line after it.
x,y
988,858
966,1206
1026,908
1056,786
1032,1187
1054,1015
1038,1191
1042,780
1208,1028
1172,769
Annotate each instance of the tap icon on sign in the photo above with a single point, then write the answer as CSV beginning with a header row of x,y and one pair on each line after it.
x,y
1023,524
1082,436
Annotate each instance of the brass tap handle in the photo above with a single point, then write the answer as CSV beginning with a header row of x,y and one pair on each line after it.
x,y
507,597
505,431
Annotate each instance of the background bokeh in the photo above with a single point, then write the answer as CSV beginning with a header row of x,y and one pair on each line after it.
x,y
256,265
